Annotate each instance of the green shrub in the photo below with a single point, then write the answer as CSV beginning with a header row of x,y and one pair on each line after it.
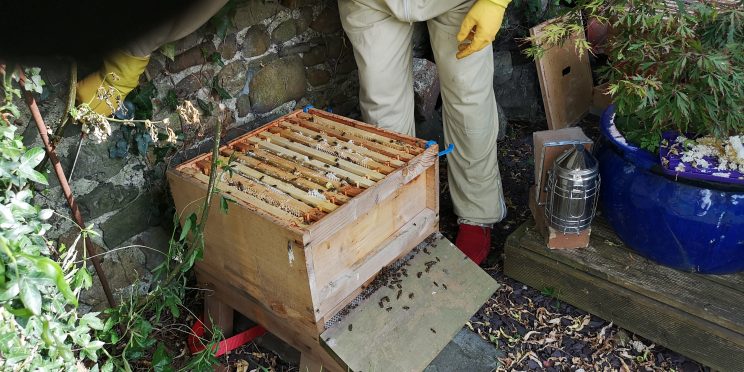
x,y
40,328
670,68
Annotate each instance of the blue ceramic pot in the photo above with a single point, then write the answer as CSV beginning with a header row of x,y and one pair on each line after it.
x,y
689,225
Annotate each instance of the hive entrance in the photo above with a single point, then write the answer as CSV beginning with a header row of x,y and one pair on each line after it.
x,y
304,166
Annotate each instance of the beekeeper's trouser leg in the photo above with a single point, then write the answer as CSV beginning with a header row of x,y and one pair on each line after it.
x,y
380,32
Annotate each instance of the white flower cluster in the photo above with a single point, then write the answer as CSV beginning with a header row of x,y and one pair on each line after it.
x,y
735,153
730,153
96,127
189,113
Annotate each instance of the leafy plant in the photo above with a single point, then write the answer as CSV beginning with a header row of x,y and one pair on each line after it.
x,y
40,327
132,326
670,68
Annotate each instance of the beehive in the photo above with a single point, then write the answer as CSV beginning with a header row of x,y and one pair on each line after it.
x,y
322,203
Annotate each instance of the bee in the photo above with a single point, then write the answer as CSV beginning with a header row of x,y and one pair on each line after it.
x,y
410,295
400,292
435,283
432,330
444,285
406,307
388,308
351,326
438,260
418,274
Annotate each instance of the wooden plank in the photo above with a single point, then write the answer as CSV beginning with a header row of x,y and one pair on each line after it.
x,y
395,338
353,255
324,157
299,334
369,136
346,137
399,244
676,329
565,81
718,304
353,177
329,148
604,234
291,190
432,187
366,201
316,175
380,157
416,145
252,250
275,197
246,198
296,180
219,315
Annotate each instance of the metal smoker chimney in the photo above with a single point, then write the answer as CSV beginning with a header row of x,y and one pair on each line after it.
x,y
573,191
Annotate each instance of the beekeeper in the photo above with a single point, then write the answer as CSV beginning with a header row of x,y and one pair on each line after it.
x,y
461,34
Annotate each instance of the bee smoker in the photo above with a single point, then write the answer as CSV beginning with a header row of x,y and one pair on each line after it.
x,y
572,191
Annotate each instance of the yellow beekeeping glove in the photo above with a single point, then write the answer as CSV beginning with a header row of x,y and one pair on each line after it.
x,y
480,26
118,76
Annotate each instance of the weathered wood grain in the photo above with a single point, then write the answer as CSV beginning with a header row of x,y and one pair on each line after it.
x,y
393,338
694,315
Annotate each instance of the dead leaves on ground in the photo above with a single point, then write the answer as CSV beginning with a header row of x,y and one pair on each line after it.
x,y
536,332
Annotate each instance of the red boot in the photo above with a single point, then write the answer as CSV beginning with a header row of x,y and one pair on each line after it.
x,y
474,241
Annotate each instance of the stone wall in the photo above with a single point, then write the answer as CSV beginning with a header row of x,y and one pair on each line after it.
x,y
275,57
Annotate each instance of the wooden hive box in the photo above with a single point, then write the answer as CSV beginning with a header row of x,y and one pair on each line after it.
x,y
322,203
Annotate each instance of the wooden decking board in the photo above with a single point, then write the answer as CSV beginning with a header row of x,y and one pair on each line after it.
x,y
696,315
685,291
397,339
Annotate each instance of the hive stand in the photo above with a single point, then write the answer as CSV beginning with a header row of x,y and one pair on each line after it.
x,y
321,205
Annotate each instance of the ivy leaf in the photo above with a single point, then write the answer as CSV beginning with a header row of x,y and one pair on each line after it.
x,y
161,361
143,141
169,50
219,89
30,297
205,106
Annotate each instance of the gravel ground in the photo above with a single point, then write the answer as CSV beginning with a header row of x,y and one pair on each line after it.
x,y
536,331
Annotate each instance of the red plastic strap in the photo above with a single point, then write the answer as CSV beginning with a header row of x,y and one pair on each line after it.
x,y
232,343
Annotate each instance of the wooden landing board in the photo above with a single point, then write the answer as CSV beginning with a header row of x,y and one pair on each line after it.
x,y
381,335
700,316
